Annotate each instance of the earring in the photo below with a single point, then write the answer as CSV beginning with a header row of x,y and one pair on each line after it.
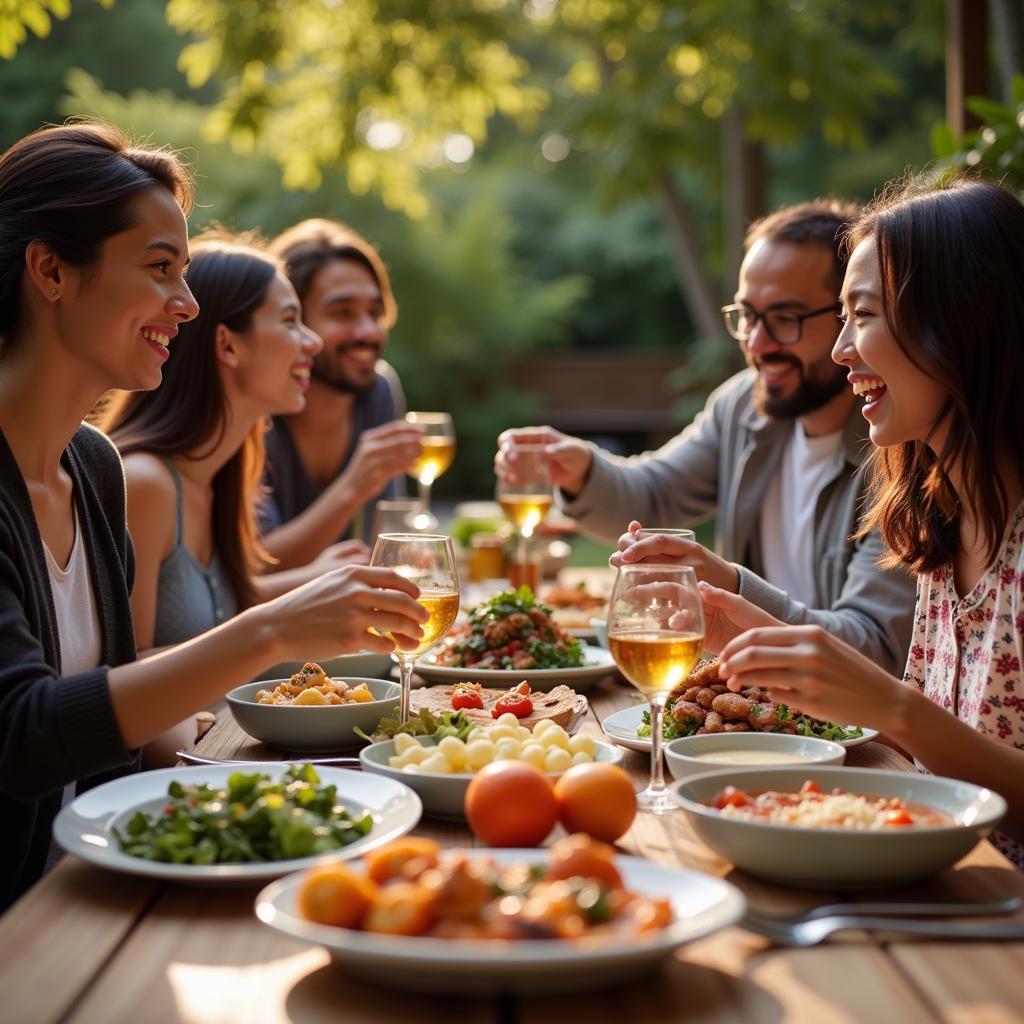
x,y
53,293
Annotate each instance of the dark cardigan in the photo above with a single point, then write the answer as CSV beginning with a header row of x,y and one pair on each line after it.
x,y
53,730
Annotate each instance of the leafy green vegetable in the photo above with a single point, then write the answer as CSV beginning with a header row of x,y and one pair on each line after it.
x,y
450,723
253,819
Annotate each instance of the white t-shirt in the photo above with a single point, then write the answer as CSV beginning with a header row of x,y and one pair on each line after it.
x,y
787,516
78,625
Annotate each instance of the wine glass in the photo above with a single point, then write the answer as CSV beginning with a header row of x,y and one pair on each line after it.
x,y
436,455
526,494
655,634
426,559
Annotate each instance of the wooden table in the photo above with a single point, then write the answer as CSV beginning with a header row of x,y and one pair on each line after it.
x,y
86,945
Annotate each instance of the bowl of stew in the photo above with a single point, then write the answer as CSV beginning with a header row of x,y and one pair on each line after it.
x,y
835,828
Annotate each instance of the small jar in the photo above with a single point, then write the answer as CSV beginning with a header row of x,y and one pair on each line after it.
x,y
525,573
486,557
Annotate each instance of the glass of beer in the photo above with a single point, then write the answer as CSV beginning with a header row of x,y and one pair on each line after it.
x,y
526,495
656,635
437,453
427,560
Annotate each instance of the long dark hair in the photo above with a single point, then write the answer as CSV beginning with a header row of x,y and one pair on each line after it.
x,y
71,187
952,272
229,277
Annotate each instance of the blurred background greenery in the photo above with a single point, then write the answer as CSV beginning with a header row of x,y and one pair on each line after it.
x,y
548,177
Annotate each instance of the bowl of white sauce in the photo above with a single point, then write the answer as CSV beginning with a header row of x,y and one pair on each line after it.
x,y
691,755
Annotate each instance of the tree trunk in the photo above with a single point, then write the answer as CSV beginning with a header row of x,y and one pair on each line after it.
x,y
744,199
1008,23
696,289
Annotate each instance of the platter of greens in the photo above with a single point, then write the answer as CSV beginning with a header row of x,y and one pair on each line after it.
x,y
234,823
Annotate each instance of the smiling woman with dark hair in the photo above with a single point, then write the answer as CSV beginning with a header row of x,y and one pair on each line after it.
x,y
93,248
934,344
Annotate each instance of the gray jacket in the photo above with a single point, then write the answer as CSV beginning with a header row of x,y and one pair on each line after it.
x,y
721,466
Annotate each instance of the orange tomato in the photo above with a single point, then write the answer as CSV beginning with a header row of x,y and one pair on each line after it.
x,y
406,858
335,895
511,803
597,799
579,856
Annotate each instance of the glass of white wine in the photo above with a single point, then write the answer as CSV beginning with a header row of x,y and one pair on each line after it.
x,y
436,455
656,634
427,560
526,495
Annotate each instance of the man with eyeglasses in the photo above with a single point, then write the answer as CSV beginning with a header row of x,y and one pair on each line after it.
x,y
775,456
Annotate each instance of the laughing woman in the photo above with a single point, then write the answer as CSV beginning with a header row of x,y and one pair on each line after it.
x,y
93,246
934,342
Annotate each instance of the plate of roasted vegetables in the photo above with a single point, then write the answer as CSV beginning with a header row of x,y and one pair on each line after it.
x,y
234,824
573,917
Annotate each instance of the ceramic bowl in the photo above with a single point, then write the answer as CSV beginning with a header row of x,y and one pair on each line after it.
x,y
695,755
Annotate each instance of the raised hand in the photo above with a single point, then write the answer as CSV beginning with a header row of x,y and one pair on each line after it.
x,y
727,615
708,566
568,458
381,453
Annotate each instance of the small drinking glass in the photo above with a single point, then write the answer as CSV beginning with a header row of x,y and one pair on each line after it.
x,y
437,453
401,515
656,635
651,531
526,495
428,560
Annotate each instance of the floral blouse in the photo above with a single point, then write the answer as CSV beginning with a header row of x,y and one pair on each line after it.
x,y
966,653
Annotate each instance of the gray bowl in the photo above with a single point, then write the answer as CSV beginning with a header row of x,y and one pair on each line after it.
x,y
310,729
364,665
681,754
443,795
837,858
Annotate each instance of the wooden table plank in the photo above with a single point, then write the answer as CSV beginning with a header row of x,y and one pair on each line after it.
x,y
200,956
60,935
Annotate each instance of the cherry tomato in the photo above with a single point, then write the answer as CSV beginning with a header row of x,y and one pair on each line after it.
x,y
809,787
900,817
466,697
514,703
731,797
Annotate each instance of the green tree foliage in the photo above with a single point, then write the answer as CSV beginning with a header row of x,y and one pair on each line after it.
x,y
996,148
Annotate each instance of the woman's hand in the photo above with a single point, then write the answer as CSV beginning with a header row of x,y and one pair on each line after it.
x,y
665,547
346,552
808,668
333,614
728,615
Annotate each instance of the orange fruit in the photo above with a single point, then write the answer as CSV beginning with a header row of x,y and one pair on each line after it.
x,y
579,856
335,895
511,803
597,799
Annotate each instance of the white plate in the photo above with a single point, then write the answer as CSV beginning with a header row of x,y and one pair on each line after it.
x,y
621,727
444,795
702,904
597,663
84,826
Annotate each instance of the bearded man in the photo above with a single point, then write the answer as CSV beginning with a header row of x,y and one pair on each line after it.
x,y
349,446
775,456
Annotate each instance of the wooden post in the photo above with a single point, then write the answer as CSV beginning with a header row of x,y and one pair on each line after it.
x,y
966,60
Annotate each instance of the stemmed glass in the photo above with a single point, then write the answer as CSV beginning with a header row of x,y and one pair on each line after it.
x,y
427,560
655,634
436,455
526,494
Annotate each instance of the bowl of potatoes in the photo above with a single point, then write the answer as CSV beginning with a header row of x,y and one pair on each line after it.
x,y
439,769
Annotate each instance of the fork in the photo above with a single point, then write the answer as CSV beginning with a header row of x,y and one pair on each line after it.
x,y
916,908
811,931
342,762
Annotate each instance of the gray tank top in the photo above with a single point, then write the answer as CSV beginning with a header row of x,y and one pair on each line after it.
x,y
190,597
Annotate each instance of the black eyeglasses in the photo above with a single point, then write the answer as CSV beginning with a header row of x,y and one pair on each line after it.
x,y
783,326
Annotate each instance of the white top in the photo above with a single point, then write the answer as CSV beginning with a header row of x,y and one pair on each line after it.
x,y
78,626
788,512
78,622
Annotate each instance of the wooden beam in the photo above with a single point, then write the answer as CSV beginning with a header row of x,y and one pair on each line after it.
x,y
966,60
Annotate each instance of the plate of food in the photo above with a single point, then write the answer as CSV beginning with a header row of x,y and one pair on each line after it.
x,y
703,705
837,828
511,638
234,824
312,712
625,916
481,705
573,606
